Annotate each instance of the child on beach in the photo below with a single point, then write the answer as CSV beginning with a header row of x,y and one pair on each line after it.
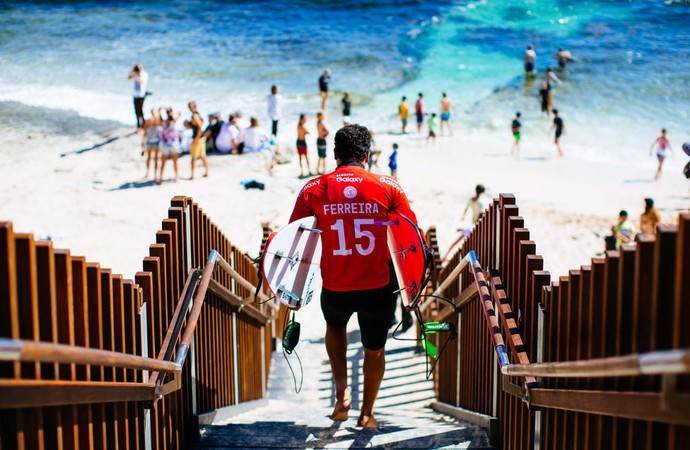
x,y
152,137
559,127
623,232
321,146
302,133
432,124
515,127
393,162
662,144
403,111
170,143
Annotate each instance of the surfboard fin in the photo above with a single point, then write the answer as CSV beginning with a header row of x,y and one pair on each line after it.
x,y
311,230
412,286
290,299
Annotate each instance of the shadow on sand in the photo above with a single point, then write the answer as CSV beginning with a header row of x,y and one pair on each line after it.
x,y
135,185
98,145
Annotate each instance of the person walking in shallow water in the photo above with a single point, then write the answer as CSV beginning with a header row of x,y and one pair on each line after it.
x,y
530,58
515,128
662,144
446,105
323,87
419,111
404,112
559,128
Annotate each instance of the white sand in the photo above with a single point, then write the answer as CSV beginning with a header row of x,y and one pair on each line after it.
x,y
98,204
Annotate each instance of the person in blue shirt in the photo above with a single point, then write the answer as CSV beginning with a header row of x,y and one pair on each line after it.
x,y
393,162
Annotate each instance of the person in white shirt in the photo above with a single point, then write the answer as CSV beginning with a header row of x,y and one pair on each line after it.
x,y
229,136
530,59
141,79
275,101
254,138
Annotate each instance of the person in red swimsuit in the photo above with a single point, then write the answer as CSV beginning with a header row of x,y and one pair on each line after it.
x,y
351,207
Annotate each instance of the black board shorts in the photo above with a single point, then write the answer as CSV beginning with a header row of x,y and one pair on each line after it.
x,y
375,310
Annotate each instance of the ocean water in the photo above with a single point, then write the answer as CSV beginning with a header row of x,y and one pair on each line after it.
x,y
630,79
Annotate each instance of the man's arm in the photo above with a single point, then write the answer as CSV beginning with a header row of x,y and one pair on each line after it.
x,y
301,209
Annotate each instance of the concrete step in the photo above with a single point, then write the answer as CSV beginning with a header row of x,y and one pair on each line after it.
x,y
289,420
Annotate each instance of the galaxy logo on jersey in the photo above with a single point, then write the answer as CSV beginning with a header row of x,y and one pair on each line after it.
x,y
350,192
389,181
310,185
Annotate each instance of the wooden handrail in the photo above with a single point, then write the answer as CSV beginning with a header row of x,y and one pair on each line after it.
x,y
32,351
239,278
662,362
236,301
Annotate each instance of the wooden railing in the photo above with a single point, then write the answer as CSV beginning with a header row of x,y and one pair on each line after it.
x,y
93,360
598,359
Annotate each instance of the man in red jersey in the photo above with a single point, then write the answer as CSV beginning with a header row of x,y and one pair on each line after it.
x,y
351,207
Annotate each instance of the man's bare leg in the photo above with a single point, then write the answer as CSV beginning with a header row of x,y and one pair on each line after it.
x,y
336,346
373,368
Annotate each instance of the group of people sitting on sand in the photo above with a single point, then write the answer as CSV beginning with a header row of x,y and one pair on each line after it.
x,y
162,139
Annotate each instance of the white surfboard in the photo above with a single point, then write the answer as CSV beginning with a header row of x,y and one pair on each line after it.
x,y
291,263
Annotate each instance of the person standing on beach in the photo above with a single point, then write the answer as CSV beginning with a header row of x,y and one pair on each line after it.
x,y
662,144
321,145
530,58
393,162
323,87
141,79
346,104
302,133
404,112
446,105
170,143
275,106
152,138
515,128
419,111
198,148
559,127
432,124
545,98
355,263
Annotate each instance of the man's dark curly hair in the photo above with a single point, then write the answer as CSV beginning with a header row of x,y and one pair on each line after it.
x,y
352,143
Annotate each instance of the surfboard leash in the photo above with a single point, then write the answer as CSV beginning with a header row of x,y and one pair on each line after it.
x,y
291,331
427,328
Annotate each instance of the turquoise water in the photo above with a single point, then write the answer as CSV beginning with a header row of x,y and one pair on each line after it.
x,y
631,77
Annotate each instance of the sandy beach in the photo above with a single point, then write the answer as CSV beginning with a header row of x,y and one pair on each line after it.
x,y
98,203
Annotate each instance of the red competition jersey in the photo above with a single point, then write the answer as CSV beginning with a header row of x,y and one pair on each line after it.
x,y
351,207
